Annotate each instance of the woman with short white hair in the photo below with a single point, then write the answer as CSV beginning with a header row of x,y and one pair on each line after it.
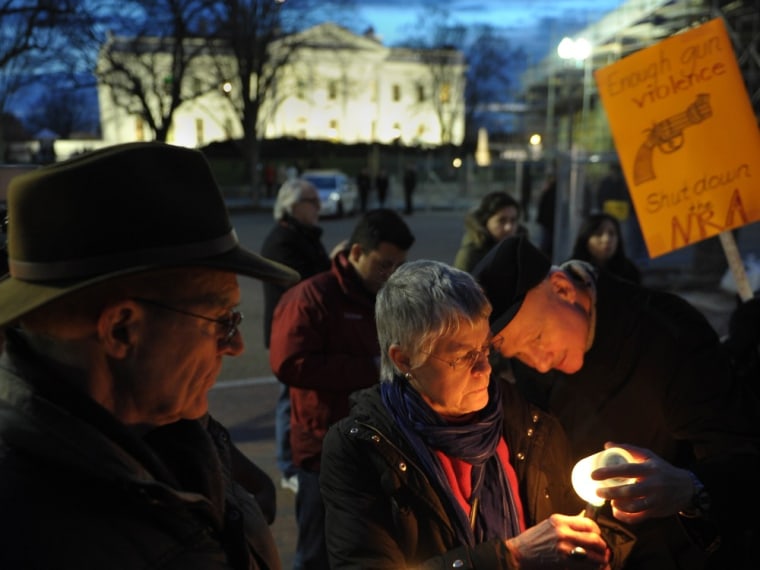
x,y
443,465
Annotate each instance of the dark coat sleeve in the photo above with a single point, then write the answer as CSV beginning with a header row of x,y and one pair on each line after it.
x,y
381,514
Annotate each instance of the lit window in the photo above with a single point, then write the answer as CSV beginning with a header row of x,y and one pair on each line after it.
x,y
332,132
139,129
445,94
199,131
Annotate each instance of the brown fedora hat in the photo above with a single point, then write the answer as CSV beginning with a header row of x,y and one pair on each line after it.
x,y
119,210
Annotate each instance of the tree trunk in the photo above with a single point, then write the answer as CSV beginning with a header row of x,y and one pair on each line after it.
x,y
251,156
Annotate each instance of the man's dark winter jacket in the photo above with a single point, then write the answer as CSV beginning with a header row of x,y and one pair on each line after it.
x,y
78,490
657,377
300,248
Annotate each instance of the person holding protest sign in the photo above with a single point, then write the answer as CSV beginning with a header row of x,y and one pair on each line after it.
x,y
618,362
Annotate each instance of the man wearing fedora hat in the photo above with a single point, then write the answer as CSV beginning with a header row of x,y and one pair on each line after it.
x,y
118,308
616,362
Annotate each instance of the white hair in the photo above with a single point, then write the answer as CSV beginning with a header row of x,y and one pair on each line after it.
x,y
422,302
287,196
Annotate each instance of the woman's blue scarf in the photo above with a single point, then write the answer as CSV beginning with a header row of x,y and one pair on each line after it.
x,y
475,443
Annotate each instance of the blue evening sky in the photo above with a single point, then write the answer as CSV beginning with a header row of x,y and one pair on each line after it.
x,y
535,25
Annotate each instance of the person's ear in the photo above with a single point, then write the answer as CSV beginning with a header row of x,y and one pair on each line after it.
x,y
118,327
400,358
355,252
562,286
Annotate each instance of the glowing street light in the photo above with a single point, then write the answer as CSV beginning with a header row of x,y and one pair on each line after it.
x,y
578,49
535,149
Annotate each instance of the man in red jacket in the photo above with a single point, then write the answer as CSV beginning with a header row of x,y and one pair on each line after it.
x,y
324,346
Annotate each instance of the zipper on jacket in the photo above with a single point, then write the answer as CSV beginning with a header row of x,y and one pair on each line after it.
x,y
473,512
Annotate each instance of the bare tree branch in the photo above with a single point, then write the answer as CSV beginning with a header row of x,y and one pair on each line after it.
x,y
260,35
31,33
150,70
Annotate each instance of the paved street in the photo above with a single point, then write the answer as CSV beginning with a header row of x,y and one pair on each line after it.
x,y
245,395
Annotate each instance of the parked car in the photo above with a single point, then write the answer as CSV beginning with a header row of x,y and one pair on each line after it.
x,y
336,190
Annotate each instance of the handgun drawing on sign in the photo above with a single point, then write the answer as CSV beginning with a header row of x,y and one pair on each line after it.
x,y
667,135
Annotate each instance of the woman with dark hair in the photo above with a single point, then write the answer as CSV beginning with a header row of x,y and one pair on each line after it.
x,y
495,218
600,242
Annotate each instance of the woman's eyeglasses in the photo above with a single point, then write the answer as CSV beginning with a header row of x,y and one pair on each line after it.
x,y
470,358
230,323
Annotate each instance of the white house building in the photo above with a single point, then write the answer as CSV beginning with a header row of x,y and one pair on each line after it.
x,y
336,86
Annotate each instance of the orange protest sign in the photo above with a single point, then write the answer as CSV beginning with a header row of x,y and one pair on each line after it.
x,y
686,136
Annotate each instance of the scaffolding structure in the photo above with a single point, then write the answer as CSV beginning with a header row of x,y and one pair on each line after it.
x,y
562,102
561,97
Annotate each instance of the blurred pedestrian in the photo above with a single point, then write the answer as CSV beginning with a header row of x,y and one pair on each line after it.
x,y
496,217
600,243
295,240
108,457
270,179
381,185
363,185
410,183
324,346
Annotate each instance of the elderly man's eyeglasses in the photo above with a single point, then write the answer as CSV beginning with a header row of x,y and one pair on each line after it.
x,y
470,358
230,323
315,201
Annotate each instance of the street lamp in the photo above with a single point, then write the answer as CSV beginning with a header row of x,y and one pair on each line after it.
x,y
569,209
536,147
577,50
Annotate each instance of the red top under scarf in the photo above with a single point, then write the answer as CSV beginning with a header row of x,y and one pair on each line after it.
x,y
459,475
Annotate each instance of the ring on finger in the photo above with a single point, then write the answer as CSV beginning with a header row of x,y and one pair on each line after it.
x,y
578,553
